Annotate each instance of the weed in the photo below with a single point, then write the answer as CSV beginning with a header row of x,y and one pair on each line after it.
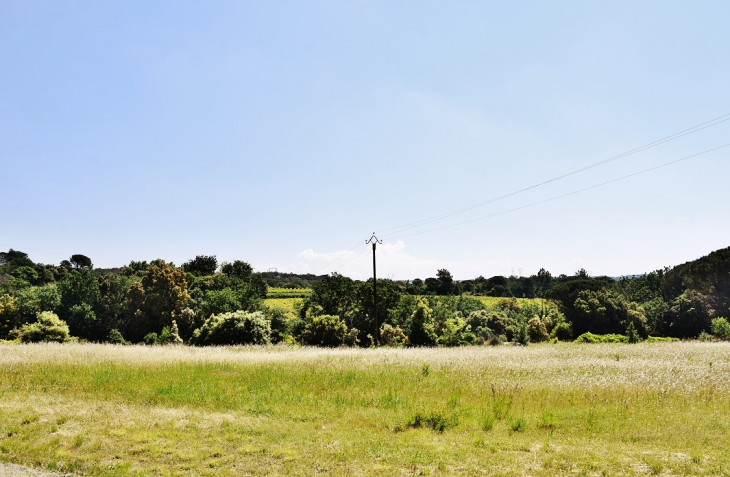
x,y
487,421
60,421
502,397
78,441
547,420
425,370
435,420
517,424
29,419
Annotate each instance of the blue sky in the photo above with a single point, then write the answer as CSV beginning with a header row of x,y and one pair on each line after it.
x,y
284,133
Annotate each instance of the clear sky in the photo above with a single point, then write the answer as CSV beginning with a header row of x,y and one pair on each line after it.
x,y
284,133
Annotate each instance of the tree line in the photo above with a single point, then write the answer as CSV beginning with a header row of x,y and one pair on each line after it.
x,y
203,302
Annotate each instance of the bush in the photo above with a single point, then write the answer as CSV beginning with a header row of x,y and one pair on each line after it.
x,y
325,330
721,328
660,339
522,337
455,332
421,327
537,331
392,336
115,337
48,327
632,336
234,328
609,338
562,331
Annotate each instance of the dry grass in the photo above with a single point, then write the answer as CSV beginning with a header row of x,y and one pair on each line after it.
x,y
649,409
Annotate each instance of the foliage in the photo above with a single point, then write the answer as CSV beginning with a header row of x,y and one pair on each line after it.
x,y
563,332
48,327
522,337
606,312
234,328
325,330
537,331
8,315
454,332
79,296
632,336
201,265
689,314
282,324
81,262
31,301
115,337
721,328
421,329
157,300
608,338
661,339
392,336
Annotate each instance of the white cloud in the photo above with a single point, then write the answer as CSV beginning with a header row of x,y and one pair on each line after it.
x,y
393,261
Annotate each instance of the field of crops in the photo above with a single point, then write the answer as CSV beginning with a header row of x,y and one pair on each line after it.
x,y
542,410
288,292
273,300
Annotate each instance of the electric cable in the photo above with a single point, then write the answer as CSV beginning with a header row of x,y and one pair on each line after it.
x,y
559,196
694,129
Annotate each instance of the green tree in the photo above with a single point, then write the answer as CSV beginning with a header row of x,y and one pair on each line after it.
x,y
79,298
606,312
81,262
157,300
8,315
421,328
201,265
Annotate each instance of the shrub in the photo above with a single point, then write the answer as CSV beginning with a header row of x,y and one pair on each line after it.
x,y
562,331
496,340
660,339
392,336
721,328
234,328
537,331
609,338
454,332
435,420
48,327
422,330
325,330
632,336
150,338
115,337
522,337
8,313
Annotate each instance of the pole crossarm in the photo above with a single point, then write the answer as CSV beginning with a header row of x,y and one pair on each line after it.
x,y
373,240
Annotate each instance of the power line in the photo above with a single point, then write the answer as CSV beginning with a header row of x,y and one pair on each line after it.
x,y
560,196
694,129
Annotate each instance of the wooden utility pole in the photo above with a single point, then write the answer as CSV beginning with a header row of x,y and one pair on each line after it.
x,y
374,240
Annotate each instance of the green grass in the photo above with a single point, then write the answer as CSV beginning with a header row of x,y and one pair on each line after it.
x,y
542,410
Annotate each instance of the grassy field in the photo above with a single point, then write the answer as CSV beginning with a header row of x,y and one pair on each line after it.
x,y
543,410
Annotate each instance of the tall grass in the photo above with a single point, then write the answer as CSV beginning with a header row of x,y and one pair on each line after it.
x,y
540,410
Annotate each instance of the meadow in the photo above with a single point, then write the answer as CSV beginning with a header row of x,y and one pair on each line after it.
x,y
541,410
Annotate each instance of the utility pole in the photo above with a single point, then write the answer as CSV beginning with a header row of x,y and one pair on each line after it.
x,y
374,240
